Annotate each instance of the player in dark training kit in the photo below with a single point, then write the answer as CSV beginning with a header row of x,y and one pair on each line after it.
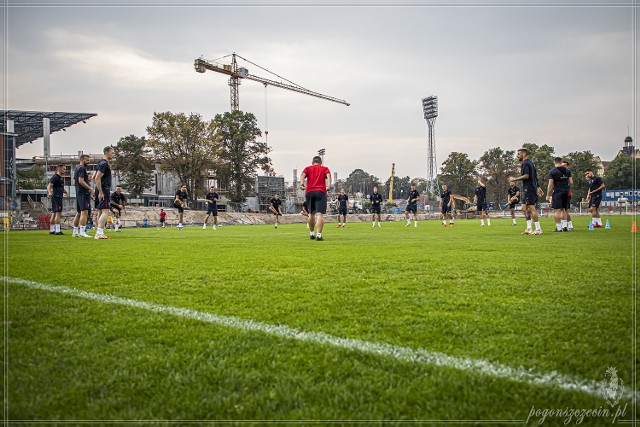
x,y
181,202
560,182
480,199
376,201
343,206
568,215
529,179
513,199
412,206
446,204
275,206
84,193
212,199
56,192
102,181
117,201
594,197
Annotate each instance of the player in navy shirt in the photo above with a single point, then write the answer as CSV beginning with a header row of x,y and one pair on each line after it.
x,y
56,191
560,183
480,199
84,192
117,201
343,205
181,202
567,218
102,181
412,206
275,206
212,199
594,197
529,179
376,202
513,199
446,205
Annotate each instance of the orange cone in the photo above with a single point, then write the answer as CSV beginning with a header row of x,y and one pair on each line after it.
x,y
634,227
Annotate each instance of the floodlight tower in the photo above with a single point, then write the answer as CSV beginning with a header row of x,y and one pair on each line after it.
x,y
430,109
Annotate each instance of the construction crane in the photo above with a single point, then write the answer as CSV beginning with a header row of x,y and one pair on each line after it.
x,y
236,74
393,172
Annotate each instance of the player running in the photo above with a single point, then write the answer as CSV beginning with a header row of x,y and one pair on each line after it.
x,y
181,202
117,201
376,201
560,182
513,200
480,199
343,206
212,198
594,197
275,206
102,181
529,179
412,206
84,194
446,204
318,179
56,192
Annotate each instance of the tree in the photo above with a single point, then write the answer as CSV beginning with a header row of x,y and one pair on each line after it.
x,y
542,157
619,173
186,146
360,181
133,164
401,186
32,178
241,155
458,172
497,166
579,162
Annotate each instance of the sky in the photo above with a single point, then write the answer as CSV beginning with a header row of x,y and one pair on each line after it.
x,y
505,73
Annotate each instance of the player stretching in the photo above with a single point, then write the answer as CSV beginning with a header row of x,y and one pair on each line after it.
x,y
181,202
212,199
594,197
318,179
84,193
446,202
102,181
56,191
412,206
513,200
343,205
560,182
567,214
117,205
480,199
275,206
530,185
376,200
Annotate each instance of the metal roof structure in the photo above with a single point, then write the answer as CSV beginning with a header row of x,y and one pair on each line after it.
x,y
28,124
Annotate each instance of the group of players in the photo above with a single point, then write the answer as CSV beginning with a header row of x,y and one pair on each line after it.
x,y
316,180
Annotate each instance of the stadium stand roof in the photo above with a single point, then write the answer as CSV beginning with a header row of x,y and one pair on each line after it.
x,y
28,124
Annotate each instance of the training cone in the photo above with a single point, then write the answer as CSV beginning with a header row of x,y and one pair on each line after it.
x,y
607,225
634,227
590,226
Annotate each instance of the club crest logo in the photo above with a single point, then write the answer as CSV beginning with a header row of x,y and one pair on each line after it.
x,y
612,386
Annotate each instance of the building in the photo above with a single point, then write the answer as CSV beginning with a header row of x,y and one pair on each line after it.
x,y
266,187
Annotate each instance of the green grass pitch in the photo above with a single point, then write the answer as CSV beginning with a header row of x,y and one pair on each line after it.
x,y
560,302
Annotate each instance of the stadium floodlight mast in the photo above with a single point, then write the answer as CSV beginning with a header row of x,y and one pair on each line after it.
x,y
321,154
430,109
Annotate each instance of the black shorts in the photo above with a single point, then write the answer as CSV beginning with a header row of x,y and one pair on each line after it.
x,y
162,220
104,203
530,197
594,201
316,202
115,210
56,204
412,207
180,209
445,209
481,206
83,202
342,211
276,213
375,209
560,199
212,209
513,205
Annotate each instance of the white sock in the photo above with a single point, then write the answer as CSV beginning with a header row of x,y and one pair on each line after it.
x,y
570,224
599,221
482,221
514,220
319,234
214,226
373,223
57,228
488,221
52,228
450,221
564,223
415,223
408,221
118,221
559,226
378,223
538,225
444,222
311,234
83,230
179,224
75,230
99,231
528,224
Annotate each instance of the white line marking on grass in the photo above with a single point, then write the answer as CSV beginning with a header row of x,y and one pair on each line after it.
x,y
406,354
